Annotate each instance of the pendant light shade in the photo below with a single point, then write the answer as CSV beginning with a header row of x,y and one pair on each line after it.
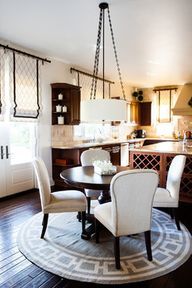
x,y
106,108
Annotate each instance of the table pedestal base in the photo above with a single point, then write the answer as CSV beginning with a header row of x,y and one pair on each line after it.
x,y
90,231
104,197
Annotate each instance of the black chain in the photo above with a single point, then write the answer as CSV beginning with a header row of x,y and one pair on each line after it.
x,y
96,63
97,52
115,52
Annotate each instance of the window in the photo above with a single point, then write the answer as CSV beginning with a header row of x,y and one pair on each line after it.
x,y
19,105
19,84
165,103
22,142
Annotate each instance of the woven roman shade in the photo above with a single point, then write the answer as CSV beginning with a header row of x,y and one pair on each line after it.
x,y
19,85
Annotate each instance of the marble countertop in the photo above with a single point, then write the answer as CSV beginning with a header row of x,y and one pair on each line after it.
x,y
166,147
74,145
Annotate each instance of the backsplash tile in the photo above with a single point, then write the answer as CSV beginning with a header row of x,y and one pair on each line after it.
x,y
61,134
185,124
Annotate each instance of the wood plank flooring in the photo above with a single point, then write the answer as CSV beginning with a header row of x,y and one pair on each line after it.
x,y
17,271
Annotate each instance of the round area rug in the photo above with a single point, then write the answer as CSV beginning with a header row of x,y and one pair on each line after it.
x,y
64,253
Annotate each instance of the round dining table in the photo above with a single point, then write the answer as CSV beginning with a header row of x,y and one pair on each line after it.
x,y
84,177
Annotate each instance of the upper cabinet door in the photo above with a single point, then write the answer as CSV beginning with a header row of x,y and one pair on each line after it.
x,y
133,112
140,113
145,113
75,106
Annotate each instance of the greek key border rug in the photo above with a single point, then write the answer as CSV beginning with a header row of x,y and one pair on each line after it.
x,y
64,253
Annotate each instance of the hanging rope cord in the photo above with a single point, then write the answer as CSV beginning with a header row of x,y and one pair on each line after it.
x,y
96,62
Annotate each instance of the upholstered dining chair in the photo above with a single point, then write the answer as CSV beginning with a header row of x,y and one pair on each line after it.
x,y
87,158
57,202
130,209
169,197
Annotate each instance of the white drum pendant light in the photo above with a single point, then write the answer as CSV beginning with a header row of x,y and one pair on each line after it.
x,y
104,109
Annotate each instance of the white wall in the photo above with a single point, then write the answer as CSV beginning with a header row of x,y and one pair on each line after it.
x,y
51,73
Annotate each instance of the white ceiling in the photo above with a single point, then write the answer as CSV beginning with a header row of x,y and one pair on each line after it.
x,y
153,37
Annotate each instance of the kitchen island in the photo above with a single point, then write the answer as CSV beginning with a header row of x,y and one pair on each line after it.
x,y
159,156
67,155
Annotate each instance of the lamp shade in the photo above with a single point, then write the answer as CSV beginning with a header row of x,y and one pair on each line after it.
x,y
104,109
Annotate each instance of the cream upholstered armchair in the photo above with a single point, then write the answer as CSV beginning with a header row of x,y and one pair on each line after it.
x,y
169,197
57,202
87,158
130,209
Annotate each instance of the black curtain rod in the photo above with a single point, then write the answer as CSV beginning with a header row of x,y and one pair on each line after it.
x,y
90,75
24,53
164,89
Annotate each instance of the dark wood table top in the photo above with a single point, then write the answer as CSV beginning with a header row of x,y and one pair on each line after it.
x,y
85,177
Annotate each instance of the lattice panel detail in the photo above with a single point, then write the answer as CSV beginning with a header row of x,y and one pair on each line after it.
x,y
143,161
186,186
161,163
168,162
188,164
186,181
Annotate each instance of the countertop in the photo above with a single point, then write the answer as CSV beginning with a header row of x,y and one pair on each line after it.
x,y
73,145
166,147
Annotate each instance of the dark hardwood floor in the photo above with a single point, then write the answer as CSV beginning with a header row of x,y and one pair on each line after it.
x,y
17,271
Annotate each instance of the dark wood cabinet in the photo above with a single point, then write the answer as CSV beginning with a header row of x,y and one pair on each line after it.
x,y
154,141
145,113
68,103
161,162
115,153
61,160
66,158
140,113
151,141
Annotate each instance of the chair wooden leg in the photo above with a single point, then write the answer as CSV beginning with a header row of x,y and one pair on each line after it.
x,y
148,245
175,213
171,213
45,222
79,216
117,253
97,224
88,204
83,218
